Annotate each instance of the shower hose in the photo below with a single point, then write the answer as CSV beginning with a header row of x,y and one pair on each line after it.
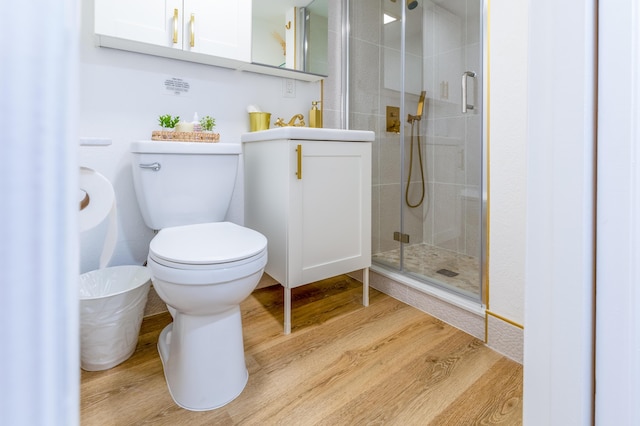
x,y
406,195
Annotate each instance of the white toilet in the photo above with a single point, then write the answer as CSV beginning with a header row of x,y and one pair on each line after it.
x,y
201,267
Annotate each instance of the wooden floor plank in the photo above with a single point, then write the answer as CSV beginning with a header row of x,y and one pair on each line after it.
x,y
495,399
333,362
343,364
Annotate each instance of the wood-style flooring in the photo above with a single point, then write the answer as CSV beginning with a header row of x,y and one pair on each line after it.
x,y
343,364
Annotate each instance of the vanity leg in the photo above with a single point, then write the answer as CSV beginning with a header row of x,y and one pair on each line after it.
x,y
365,287
287,310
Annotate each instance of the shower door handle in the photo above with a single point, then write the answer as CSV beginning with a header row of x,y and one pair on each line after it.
x,y
465,105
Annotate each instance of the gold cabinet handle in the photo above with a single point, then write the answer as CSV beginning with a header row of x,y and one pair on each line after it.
x,y
175,26
299,172
193,30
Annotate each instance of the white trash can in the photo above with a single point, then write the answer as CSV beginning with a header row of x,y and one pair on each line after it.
x,y
112,302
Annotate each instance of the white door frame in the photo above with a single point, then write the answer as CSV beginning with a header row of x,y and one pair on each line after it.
x,y
559,278
618,215
558,380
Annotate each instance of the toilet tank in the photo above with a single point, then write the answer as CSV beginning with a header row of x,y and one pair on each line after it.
x,y
183,183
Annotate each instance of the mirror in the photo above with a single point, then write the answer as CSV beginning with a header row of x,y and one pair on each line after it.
x,y
291,34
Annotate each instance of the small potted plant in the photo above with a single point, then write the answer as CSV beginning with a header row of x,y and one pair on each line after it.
x,y
168,122
208,123
167,127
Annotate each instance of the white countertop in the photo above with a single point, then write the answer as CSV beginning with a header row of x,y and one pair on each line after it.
x,y
309,133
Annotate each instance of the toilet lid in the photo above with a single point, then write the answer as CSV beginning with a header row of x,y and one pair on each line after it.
x,y
206,243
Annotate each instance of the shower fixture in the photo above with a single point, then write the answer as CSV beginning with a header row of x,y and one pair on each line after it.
x,y
413,119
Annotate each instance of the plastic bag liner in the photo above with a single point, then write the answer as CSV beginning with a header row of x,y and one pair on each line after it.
x,y
112,302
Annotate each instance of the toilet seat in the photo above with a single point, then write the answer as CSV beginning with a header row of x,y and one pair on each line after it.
x,y
206,253
206,245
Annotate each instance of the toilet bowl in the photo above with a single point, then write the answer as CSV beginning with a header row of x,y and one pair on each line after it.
x,y
202,272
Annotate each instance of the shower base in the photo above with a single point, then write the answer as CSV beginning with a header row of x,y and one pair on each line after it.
x,y
449,269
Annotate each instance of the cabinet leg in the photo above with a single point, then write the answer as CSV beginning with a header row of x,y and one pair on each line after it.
x,y
287,310
365,287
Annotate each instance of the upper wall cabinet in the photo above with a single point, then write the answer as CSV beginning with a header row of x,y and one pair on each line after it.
x,y
146,21
218,27
216,32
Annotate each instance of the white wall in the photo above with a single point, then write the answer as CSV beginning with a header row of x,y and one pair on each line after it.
x,y
507,168
121,96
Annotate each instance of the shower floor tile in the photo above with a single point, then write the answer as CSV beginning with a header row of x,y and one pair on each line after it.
x,y
425,261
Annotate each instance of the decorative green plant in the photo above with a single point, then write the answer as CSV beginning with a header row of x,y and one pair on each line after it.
x,y
208,123
168,122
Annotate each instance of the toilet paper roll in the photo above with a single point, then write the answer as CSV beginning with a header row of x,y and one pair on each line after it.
x,y
98,219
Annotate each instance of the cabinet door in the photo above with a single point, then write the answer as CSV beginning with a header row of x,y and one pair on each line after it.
x,y
218,27
330,230
148,21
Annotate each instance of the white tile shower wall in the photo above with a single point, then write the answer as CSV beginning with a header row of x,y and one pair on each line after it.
x,y
452,47
368,106
333,88
123,93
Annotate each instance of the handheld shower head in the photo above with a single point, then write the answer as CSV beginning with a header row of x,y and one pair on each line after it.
x,y
420,104
419,109
412,4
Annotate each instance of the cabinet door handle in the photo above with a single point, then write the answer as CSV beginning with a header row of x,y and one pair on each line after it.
x,y
175,26
299,172
193,30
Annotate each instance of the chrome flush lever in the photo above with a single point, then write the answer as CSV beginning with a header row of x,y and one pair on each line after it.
x,y
465,105
153,166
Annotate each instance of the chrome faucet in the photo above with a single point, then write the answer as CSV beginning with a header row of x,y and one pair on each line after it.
x,y
280,122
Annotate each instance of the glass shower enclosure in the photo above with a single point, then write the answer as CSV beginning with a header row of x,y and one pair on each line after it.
x,y
416,78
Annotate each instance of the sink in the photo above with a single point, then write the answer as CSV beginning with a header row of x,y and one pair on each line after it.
x,y
309,133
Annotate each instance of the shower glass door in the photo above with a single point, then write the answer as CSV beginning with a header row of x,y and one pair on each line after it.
x,y
428,171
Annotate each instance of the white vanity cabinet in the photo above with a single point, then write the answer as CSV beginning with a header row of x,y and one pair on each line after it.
x,y
309,192
216,28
